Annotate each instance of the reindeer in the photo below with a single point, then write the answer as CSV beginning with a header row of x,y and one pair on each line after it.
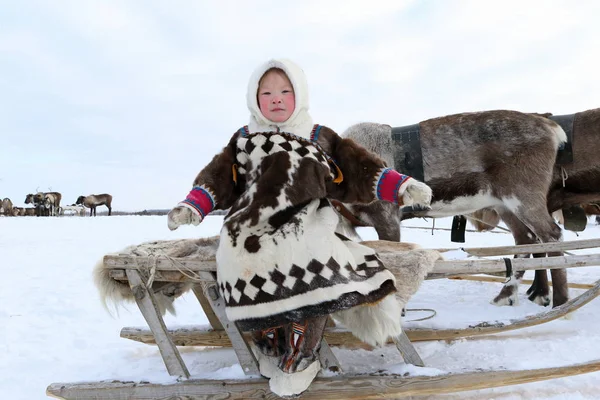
x,y
29,211
500,159
573,184
74,209
46,203
6,207
40,209
94,200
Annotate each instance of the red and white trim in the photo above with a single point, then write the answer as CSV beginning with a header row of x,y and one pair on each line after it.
x,y
390,185
200,200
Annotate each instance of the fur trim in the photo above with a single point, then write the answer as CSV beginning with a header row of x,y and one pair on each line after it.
x,y
300,122
374,324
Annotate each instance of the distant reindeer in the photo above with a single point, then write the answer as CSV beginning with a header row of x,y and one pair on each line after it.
x,y
74,209
46,203
29,212
39,208
6,207
94,200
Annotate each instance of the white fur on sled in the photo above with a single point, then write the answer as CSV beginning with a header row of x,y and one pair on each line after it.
x,y
117,292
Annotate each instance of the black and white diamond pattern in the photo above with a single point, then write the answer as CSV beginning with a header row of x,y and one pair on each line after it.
x,y
276,285
260,145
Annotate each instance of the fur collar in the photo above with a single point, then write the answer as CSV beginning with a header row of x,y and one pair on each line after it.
x,y
300,123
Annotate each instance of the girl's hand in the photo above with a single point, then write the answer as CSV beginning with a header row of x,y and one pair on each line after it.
x,y
182,215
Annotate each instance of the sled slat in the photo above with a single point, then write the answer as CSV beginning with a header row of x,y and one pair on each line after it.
x,y
244,354
442,269
408,351
531,248
328,360
445,269
206,306
147,305
198,336
337,387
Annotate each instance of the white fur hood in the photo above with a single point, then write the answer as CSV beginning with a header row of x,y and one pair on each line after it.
x,y
300,123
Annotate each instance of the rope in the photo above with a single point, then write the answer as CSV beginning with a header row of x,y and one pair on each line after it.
x,y
184,270
434,313
483,222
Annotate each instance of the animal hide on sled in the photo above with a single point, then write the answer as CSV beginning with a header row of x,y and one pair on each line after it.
x,y
116,292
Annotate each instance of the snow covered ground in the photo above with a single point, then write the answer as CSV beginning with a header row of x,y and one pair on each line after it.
x,y
54,329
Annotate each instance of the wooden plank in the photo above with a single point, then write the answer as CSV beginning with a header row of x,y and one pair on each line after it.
x,y
530,248
196,264
445,269
442,269
245,356
408,351
478,278
199,336
328,360
147,305
331,388
206,306
159,276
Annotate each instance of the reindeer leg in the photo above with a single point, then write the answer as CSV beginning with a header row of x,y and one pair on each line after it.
x,y
508,296
539,221
539,292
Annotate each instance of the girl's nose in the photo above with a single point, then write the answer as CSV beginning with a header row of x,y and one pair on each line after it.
x,y
276,99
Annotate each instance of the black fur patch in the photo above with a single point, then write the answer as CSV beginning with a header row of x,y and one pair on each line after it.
x,y
252,244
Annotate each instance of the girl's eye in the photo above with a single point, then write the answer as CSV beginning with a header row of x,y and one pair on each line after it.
x,y
265,93
287,91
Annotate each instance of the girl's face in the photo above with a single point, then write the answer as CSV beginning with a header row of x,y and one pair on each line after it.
x,y
276,96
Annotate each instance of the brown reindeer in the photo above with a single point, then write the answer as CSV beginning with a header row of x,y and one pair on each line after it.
x,y
94,200
500,159
45,203
49,200
6,207
29,211
573,184
39,208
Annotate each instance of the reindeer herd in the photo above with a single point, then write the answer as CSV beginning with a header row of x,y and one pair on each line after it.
x,y
45,204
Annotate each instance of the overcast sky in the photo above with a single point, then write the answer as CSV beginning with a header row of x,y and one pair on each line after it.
x,y
133,98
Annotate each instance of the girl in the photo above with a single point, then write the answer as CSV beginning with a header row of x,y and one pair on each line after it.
x,y
281,266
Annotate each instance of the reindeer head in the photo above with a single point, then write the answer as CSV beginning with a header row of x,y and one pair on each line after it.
x,y
80,200
38,197
29,199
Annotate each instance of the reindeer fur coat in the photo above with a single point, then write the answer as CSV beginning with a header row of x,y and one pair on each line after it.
x,y
279,258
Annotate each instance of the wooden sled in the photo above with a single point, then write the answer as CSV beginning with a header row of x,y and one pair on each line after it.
x,y
206,336
138,270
